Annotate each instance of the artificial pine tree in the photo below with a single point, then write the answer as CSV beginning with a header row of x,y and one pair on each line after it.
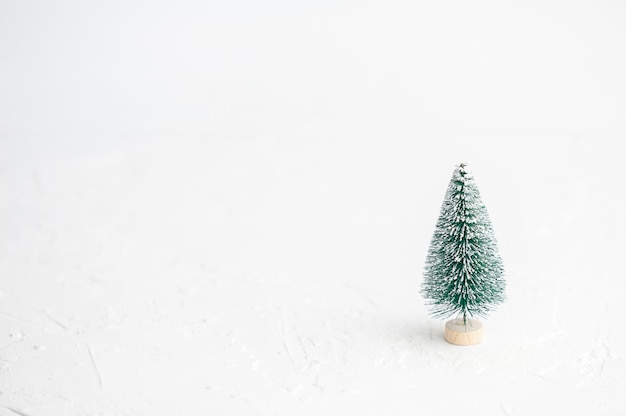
x,y
463,272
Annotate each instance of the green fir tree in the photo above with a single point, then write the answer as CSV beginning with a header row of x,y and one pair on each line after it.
x,y
463,271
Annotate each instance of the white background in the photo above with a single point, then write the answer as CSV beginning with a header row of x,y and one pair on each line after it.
x,y
224,207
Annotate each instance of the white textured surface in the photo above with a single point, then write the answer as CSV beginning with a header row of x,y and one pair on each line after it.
x,y
188,277
271,265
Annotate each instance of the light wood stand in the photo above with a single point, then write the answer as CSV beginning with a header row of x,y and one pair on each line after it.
x,y
458,334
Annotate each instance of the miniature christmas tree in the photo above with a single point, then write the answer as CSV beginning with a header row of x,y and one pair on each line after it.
x,y
463,272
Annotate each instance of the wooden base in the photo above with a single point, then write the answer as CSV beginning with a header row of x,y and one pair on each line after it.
x,y
458,334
